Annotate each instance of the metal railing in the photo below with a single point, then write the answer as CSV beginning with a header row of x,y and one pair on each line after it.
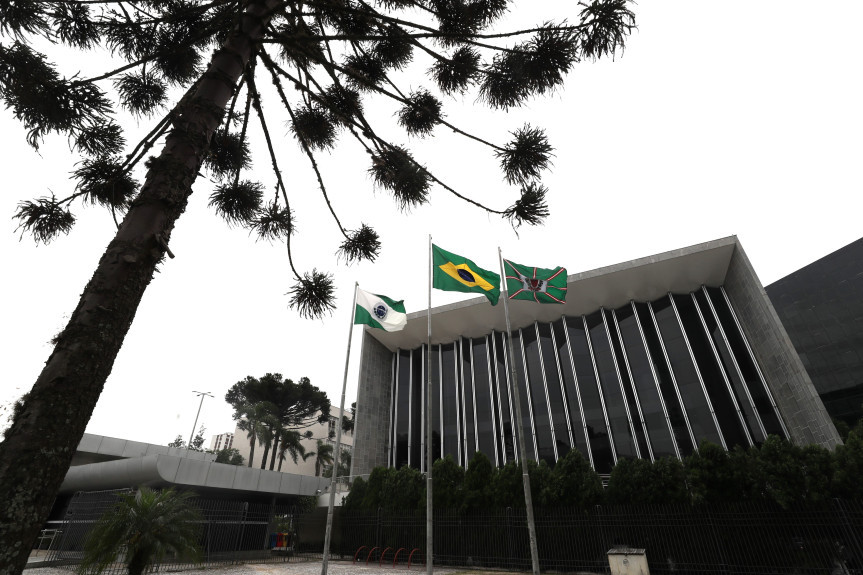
x,y
745,538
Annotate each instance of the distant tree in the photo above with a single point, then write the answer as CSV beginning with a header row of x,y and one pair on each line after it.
x,y
447,484
573,483
290,444
791,474
272,406
141,529
344,465
403,490
210,64
375,493
507,486
630,482
229,455
324,456
477,478
197,441
669,479
251,419
178,442
848,466
356,496
712,475
348,420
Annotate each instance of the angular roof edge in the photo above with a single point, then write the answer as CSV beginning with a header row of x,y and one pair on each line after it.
x,y
642,279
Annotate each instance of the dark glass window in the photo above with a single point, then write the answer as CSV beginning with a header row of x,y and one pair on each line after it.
x,y
728,364
403,387
666,382
521,387
570,388
468,396
482,392
747,366
555,395
711,372
645,385
624,442
700,418
450,401
594,418
503,393
418,387
541,416
436,403
626,384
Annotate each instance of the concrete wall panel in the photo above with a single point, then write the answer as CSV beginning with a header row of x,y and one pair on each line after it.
x,y
373,405
798,401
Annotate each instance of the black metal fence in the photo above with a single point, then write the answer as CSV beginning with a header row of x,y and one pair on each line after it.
x,y
231,532
728,539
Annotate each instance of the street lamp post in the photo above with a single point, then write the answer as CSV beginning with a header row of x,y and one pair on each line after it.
x,y
201,394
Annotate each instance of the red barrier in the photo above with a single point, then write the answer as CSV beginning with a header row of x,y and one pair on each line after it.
x,y
384,554
396,558
358,552
410,559
370,554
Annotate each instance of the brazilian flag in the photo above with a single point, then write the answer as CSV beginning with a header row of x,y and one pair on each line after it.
x,y
455,273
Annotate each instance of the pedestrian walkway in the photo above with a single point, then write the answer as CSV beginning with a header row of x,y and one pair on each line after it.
x,y
298,568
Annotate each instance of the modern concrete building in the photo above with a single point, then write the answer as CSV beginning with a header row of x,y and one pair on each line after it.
x,y
111,463
646,358
821,307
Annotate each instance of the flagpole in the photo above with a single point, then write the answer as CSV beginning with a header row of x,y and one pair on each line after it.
x,y
429,450
332,503
528,498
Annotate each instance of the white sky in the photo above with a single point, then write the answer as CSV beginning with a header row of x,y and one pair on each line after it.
x,y
721,118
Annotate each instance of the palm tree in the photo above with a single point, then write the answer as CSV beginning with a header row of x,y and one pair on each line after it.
x,y
146,526
291,444
325,456
251,418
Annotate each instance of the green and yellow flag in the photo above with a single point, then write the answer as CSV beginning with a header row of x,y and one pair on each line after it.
x,y
455,273
535,284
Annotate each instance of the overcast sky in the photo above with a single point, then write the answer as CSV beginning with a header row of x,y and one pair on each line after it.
x,y
721,118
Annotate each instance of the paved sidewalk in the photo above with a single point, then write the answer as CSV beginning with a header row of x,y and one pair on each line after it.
x,y
299,568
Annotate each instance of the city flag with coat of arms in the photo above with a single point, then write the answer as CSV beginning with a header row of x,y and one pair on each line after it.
x,y
379,311
452,272
535,284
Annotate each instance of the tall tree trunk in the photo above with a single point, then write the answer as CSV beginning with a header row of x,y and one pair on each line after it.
x,y
43,437
266,452
275,449
253,441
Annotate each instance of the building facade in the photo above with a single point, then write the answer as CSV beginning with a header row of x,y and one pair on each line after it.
x,y
821,306
646,359
222,441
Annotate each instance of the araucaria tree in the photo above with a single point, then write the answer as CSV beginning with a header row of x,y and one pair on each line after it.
x,y
223,58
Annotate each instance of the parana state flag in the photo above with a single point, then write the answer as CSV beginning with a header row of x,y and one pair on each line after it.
x,y
535,284
380,311
455,273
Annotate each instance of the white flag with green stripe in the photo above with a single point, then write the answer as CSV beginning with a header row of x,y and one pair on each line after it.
x,y
379,311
